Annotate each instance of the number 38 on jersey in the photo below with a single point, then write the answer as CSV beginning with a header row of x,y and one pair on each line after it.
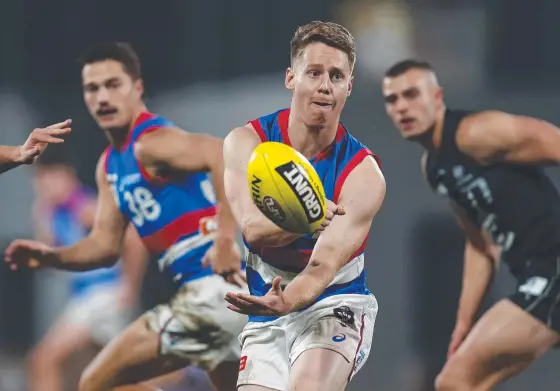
x,y
142,205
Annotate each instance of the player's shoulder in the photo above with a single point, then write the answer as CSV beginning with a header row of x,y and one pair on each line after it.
x,y
476,127
148,120
266,120
254,130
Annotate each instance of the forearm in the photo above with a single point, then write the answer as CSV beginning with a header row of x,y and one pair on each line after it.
x,y
308,285
478,272
8,158
88,254
261,232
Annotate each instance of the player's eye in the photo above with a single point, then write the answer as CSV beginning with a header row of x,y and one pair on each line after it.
x,y
314,73
411,94
338,76
390,99
91,88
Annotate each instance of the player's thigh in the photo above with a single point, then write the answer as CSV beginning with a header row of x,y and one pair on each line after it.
x,y
61,341
252,387
264,363
130,358
504,341
333,348
320,369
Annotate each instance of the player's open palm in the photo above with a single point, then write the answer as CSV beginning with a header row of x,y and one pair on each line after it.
x,y
332,211
271,304
225,260
39,139
27,254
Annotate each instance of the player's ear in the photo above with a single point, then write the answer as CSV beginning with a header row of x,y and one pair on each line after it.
x,y
439,95
290,76
350,85
139,85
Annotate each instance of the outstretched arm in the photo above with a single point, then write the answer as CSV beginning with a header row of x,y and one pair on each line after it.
x,y
494,136
257,229
11,157
101,248
361,197
479,267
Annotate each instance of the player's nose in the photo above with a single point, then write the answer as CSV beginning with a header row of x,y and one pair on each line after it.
x,y
401,106
102,96
326,85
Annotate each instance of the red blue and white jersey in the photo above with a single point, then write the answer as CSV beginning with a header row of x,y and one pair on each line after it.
x,y
165,211
333,166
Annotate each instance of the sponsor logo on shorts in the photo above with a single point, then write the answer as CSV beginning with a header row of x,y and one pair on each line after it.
x,y
345,314
359,359
273,208
339,338
242,363
297,180
534,286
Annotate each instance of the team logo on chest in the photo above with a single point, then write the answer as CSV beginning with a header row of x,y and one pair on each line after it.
x,y
474,195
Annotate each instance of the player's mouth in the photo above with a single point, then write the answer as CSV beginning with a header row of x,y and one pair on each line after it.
x,y
323,104
106,113
406,123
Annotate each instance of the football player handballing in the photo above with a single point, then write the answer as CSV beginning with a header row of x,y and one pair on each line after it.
x,y
311,314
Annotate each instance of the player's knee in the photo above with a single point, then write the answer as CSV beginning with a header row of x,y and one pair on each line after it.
x,y
453,378
88,380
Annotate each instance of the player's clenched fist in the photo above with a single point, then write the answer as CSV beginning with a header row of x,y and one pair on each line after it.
x,y
28,254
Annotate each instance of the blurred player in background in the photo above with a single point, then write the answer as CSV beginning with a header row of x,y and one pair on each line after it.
x,y
36,143
489,165
101,301
311,314
155,175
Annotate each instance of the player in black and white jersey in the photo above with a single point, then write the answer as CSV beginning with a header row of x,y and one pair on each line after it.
x,y
489,165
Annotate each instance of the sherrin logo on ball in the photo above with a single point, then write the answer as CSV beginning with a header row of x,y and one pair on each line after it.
x,y
286,188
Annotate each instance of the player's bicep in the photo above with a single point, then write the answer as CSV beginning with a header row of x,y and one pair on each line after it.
x,y
238,147
495,136
109,224
361,196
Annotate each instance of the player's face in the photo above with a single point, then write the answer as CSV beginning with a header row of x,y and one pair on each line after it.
x,y
111,96
321,79
53,185
411,101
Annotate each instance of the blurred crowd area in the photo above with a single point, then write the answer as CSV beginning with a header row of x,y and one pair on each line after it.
x,y
212,65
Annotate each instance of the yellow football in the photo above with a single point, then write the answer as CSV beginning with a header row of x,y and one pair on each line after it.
x,y
286,188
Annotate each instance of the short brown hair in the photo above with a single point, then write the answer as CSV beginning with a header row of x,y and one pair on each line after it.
x,y
121,52
329,33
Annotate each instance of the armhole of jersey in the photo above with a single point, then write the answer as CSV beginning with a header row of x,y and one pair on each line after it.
x,y
353,163
259,129
145,174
